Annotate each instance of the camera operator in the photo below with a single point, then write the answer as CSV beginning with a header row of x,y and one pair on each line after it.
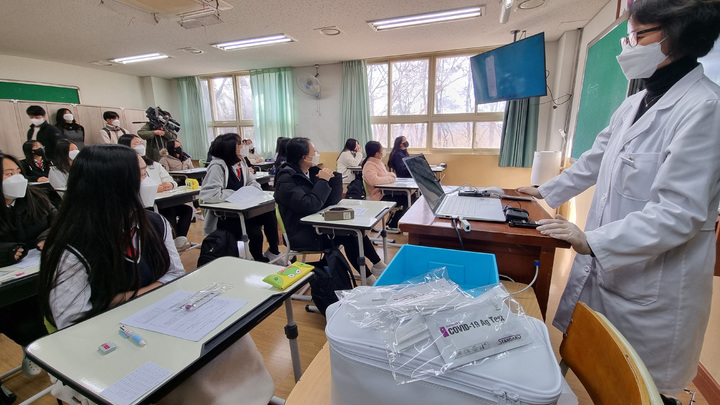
x,y
160,129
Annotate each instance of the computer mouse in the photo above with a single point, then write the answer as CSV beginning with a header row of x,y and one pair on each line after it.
x,y
493,190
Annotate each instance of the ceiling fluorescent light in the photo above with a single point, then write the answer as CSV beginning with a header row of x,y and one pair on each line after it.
x,y
252,42
139,58
428,18
505,8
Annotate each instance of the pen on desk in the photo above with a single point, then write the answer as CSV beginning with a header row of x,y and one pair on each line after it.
x,y
129,334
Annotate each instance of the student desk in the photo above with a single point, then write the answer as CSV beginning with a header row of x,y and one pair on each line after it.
x,y
177,196
18,284
71,354
315,385
407,186
263,165
374,212
243,211
197,173
262,177
514,248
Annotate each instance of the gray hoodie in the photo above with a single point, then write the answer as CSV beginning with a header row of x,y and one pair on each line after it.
x,y
214,188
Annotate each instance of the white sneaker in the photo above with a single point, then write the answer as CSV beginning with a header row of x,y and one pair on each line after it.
x,y
29,368
378,268
271,256
180,242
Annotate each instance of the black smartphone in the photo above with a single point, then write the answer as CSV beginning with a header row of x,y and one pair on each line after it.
x,y
524,224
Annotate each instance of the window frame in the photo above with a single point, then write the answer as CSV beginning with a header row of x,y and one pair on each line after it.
x,y
431,117
238,124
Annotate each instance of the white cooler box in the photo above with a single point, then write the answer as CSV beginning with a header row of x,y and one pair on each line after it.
x,y
361,374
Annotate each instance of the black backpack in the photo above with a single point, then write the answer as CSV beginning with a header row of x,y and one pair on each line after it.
x,y
220,243
356,189
332,273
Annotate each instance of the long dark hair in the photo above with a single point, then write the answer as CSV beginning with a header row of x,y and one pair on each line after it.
x,y
96,219
296,149
280,145
173,152
28,151
62,155
350,145
371,149
396,147
38,205
126,139
60,121
224,147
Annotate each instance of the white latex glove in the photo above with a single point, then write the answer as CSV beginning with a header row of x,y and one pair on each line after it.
x,y
561,228
533,191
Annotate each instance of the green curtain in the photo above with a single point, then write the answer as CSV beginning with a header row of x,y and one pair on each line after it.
x,y
274,107
519,137
355,103
194,127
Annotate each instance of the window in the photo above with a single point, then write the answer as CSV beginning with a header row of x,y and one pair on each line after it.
x,y
229,107
431,102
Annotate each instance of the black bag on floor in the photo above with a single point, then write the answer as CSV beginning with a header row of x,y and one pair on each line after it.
x,y
356,189
332,273
220,243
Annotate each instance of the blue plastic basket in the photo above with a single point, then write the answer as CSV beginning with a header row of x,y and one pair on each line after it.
x,y
468,269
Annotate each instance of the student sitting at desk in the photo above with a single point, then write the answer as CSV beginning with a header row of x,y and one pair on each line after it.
x,y
179,216
174,158
280,153
248,152
65,152
35,167
301,189
375,173
25,218
398,153
226,174
351,156
70,130
106,249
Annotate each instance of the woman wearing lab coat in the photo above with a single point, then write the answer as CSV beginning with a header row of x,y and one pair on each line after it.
x,y
646,257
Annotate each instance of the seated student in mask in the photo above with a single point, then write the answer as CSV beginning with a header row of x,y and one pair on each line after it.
x,y
35,167
174,158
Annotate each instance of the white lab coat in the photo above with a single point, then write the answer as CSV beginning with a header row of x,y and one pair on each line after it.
x,y
651,225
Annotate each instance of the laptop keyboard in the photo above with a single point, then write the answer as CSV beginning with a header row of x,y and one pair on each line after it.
x,y
469,207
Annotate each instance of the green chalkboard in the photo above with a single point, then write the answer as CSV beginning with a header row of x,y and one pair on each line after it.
x,y
604,88
38,92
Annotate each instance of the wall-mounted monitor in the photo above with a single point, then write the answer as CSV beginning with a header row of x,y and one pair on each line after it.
x,y
513,71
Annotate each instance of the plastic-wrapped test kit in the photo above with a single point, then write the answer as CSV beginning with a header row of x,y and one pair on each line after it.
x,y
428,341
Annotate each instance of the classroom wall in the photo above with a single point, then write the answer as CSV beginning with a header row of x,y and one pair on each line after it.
x,y
319,120
97,87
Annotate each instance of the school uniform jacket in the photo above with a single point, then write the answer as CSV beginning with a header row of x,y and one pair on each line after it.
x,y
48,135
298,195
32,171
651,226
27,232
214,188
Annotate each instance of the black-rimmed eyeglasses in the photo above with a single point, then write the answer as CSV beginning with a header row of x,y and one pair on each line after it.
x,y
632,38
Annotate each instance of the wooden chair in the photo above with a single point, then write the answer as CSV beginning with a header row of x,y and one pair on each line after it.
x,y
604,361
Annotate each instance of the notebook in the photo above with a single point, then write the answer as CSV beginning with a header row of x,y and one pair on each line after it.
x,y
451,205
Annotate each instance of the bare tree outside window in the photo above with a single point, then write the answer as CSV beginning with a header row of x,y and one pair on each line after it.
x,y
224,95
416,134
246,103
409,92
380,134
378,89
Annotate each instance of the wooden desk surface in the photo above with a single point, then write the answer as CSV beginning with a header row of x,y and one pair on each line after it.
x,y
314,385
515,249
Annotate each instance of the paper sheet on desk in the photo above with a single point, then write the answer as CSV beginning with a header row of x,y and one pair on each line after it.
x,y
136,384
32,259
165,317
246,195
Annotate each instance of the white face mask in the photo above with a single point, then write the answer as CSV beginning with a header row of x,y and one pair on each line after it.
x,y
37,121
384,152
641,61
73,154
68,117
148,192
116,123
316,159
140,149
244,150
15,187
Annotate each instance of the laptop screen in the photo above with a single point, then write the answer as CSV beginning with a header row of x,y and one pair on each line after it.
x,y
428,184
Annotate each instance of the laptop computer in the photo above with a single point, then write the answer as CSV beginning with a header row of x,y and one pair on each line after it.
x,y
445,205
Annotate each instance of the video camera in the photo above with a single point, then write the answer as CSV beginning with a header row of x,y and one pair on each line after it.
x,y
158,119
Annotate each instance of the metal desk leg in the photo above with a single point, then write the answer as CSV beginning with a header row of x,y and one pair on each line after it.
x,y
361,257
291,332
384,239
244,237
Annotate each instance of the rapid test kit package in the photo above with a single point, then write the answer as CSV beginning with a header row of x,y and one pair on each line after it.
x,y
428,341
